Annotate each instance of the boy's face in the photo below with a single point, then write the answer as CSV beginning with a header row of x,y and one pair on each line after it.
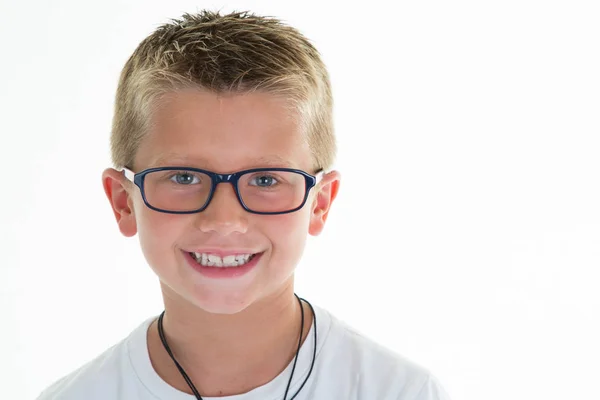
x,y
222,134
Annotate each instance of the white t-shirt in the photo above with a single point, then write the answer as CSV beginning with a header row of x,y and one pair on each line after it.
x,y
348,366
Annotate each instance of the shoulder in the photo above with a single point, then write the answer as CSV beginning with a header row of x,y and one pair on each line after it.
x,y
361,349
83,379
379,371
100,378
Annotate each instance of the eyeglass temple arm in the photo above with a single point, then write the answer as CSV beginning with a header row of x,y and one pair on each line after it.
x,y
319,176
128,173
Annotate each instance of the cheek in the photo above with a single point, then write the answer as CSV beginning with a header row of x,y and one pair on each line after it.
x,y
288,233
158,234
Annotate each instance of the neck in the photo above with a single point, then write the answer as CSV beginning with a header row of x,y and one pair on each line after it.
x,y
228,354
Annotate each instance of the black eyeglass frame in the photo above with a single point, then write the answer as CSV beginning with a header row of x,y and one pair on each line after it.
x,y
138,179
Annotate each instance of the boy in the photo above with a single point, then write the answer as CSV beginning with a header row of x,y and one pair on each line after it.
x,y
223,143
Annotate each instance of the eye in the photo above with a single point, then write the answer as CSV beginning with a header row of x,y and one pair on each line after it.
x,y
263,181
185,178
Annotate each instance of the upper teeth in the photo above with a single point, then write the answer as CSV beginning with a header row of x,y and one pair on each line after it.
x,y
212,260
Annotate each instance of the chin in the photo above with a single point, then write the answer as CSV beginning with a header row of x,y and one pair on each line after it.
x,y
221,301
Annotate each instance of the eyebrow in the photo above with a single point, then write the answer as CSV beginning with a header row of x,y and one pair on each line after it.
x,y
175,159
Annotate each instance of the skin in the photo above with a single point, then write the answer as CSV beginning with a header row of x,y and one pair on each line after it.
x,y
230,335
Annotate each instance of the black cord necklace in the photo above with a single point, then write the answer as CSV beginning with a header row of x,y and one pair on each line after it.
x,y
193,388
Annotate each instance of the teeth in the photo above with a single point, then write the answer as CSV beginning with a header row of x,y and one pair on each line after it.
x,y
212,260
228,259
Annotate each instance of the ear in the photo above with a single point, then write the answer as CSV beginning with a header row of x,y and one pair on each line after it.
x,y
327,192
117,188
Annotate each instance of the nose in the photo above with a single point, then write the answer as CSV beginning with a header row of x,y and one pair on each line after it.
x,y
224,214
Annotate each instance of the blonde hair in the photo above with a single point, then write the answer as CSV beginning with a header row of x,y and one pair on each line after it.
x,y
234,53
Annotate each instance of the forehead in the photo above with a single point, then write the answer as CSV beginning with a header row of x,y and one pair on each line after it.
x,y
224,132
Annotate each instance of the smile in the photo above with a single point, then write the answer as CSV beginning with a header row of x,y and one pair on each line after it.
x,y
213,260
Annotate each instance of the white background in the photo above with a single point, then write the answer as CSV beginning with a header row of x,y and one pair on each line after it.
x,y
466,233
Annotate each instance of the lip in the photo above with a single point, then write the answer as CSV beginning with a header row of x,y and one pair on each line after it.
x,y
222,272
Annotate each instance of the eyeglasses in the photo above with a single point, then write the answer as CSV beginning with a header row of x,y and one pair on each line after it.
x,y
177,190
